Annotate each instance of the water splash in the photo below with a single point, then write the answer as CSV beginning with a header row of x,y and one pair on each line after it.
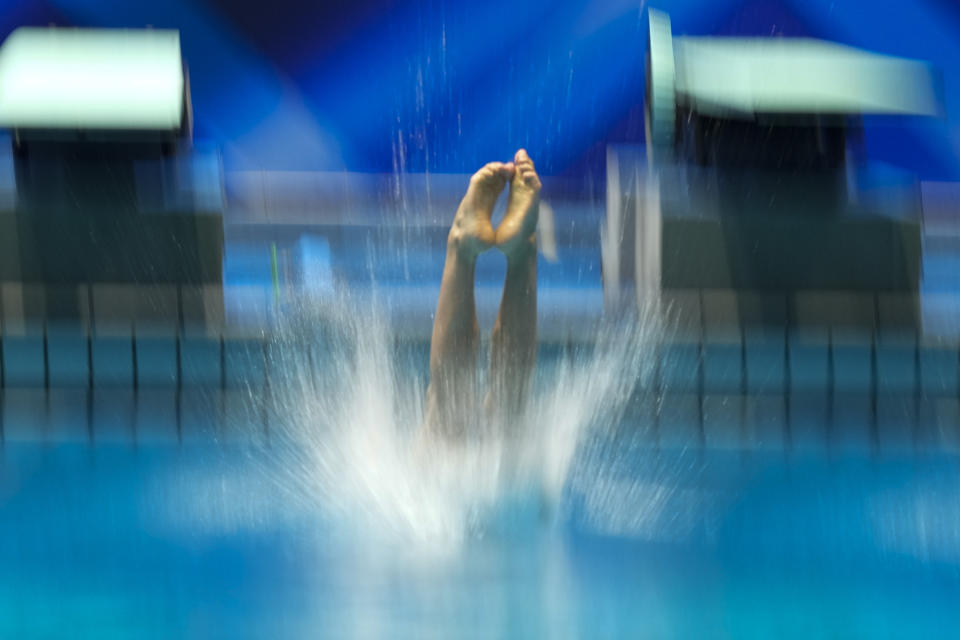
x,y
346,413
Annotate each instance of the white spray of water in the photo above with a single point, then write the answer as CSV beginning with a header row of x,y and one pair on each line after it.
x,y
348,407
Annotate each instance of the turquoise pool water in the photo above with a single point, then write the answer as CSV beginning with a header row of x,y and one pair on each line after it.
x,y
289,502
113,540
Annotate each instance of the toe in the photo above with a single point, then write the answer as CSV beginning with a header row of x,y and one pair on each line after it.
x,y
488,171
529,176
524,163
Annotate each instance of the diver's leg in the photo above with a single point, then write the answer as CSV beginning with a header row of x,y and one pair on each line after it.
x,y
513,344
451,395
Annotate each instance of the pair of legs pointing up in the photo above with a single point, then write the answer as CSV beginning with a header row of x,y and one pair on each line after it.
x,y
453,406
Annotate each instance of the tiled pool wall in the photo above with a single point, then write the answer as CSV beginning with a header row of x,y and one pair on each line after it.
x,y
810,372
833,374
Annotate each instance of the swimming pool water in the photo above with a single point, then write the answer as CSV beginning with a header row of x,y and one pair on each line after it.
x,y
198,540
717,507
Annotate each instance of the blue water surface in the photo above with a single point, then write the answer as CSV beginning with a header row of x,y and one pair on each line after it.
x,y
114,540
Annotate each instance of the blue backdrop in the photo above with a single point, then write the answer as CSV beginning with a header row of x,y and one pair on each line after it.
x,y
444,85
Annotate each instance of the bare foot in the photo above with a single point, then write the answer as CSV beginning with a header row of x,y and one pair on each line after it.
x,y
472,233
516,232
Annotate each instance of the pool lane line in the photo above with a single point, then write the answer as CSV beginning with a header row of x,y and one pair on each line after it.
x,y
3,390
274,272
917,396
701,378
267,390
787,388
90,435
46,362
223,363
178,384
831,396
135,405
133,359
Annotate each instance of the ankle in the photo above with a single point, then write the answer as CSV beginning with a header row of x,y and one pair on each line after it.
x,y
461,246
521,252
